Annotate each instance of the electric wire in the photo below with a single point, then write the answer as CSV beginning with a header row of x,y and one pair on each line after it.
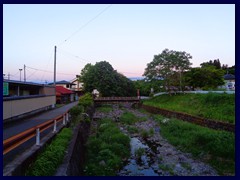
x,y
83,26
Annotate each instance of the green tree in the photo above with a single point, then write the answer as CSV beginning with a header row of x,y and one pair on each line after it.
x,y
168,66
206,77
106,80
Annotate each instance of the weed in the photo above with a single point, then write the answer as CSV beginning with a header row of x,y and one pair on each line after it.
x,y
201,141
106,150
52,156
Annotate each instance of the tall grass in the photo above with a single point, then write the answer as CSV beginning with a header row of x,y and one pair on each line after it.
x,y
52,156
106,150
105,108
215,147
212,105
130,119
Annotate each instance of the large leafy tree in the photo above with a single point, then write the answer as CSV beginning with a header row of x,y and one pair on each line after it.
x,y
206,77
105,79
169,66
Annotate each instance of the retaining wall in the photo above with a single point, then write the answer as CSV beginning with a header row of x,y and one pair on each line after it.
x,y
193,119
74,160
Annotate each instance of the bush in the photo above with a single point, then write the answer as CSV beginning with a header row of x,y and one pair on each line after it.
x,y
48,161
75,111
86,100
106,149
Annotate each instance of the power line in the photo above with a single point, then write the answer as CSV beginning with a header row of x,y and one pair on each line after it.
x,y
49,71
70,54
86,24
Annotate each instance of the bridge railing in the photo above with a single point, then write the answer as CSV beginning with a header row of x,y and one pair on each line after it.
x,y
16,140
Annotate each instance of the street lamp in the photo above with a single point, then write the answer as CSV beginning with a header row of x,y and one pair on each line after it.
x,y
20,73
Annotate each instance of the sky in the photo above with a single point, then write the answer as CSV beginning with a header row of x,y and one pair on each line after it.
x,y
125,35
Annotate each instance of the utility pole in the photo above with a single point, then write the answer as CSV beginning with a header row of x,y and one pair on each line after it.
x,y
8,76
20,74
55,56
24,73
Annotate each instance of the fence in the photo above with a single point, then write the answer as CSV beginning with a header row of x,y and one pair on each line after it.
x,y
15,141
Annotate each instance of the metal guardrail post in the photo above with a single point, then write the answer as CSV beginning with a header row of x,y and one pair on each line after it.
x,y
67,117
64,120
37,136
55,126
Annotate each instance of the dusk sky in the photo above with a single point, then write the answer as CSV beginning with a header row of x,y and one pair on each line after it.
x,y
127,36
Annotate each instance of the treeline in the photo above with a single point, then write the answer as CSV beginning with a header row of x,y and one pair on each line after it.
x,y
169,71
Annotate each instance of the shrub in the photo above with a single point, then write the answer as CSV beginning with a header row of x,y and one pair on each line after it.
x,y
106,149
86,100
48,161
76,110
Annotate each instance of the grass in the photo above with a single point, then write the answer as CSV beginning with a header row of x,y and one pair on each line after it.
x,y
130,119
167,168
106,150
215,147
52,156
105,108
132,129
212,105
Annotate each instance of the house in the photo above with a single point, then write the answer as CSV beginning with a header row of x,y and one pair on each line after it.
x,y
77,87
229,80
73,85
21,99
64,95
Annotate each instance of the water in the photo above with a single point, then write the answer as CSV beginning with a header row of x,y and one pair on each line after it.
x,y
141,166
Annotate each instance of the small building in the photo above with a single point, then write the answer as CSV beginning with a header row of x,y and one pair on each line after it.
x,y
74,85
77,87
21,99
64,95
229,80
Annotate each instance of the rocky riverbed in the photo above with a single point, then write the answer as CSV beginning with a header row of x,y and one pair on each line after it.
x,y
152,155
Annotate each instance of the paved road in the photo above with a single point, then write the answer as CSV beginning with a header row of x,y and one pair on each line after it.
x,y
17,127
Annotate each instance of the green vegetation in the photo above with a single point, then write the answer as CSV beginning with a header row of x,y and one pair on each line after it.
x,y
215,147
139,152
167,168
106,150
105,108
52,156
130,119
132,129
86,100
106,80
212,105
76,111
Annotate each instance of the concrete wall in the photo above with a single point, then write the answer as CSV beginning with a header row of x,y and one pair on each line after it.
x,y
192,119
17,107
47,90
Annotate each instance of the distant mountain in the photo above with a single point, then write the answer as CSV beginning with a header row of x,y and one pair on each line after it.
x,y
136,78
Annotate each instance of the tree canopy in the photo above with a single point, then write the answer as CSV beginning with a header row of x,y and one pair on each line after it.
x,y
206,77
169,66
106,80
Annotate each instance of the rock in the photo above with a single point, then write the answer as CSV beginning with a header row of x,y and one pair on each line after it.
x,y
102,163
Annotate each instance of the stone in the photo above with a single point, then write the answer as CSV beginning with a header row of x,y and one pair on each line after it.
x,y
102,163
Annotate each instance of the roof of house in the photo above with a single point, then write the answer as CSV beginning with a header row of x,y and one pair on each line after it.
x,y
63,82
62,90
229,76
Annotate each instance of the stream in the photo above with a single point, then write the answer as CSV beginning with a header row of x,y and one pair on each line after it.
x,y
154,156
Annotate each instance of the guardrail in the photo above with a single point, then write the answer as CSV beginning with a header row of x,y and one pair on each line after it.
x,y
15,141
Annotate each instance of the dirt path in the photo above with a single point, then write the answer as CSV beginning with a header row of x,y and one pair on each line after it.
x,y
159,158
